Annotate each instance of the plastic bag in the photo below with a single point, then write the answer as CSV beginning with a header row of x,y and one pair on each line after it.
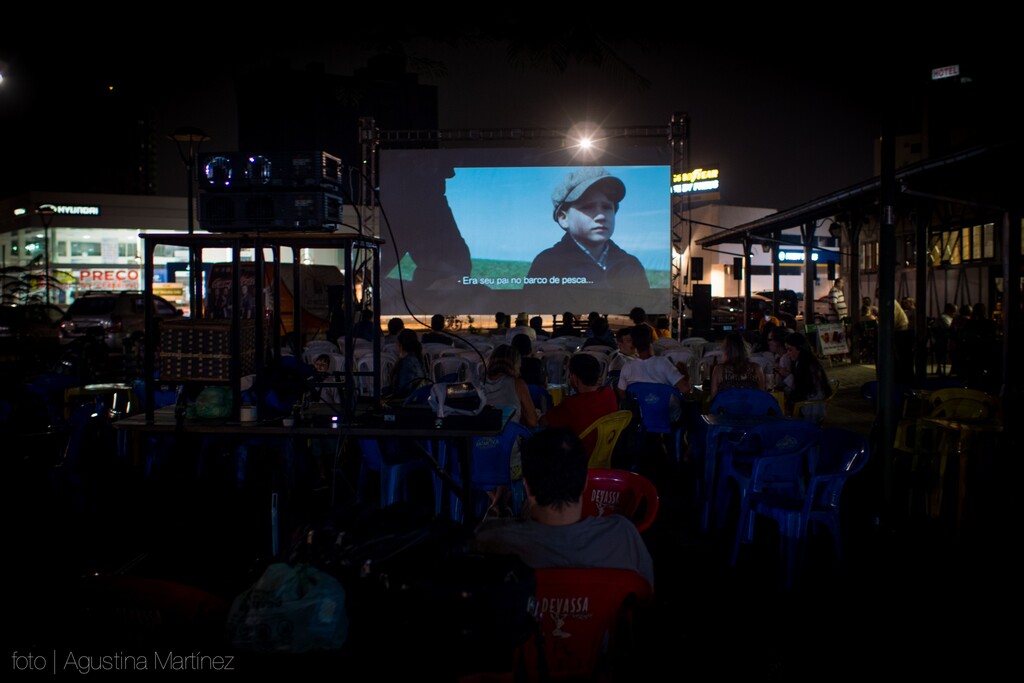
x,y
289,609
213,402
460,398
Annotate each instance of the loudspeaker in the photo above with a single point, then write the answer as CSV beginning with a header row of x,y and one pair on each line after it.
x,y
831,270
737,268
696,269
701,303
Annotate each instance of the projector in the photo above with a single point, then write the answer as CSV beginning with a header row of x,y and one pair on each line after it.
x,y
238,171
248,211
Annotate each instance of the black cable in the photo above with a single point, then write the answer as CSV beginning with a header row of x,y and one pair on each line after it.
x,y
398,262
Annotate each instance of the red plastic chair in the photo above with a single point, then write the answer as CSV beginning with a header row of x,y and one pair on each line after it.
x,y
586,618
622,492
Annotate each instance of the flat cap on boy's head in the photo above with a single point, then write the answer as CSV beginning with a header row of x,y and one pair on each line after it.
x,y
581,180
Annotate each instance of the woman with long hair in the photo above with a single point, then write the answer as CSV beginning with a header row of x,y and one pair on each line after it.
x,y
409,372
504,387
736,370
808,382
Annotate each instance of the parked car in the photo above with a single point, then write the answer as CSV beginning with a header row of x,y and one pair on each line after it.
x,y
788,310
727,313
114,315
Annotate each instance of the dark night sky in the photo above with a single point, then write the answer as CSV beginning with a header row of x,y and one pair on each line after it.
x,y
786,116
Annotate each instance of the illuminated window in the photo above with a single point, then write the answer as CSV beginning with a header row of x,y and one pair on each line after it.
x,y
988,240
869,255
62,248
935,249
86,249
127,249
165,251
951,247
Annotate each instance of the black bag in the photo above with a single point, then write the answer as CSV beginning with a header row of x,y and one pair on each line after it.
x,y
479,608
417,600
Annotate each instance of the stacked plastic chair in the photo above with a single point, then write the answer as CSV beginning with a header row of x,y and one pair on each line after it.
x,y
771,458
842,454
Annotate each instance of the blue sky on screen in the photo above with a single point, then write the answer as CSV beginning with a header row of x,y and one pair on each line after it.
x,y
506,213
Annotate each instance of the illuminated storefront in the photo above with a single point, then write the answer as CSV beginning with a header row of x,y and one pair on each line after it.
x,y
95,245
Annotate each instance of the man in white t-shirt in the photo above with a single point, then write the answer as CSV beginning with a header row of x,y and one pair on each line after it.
x,y
648,367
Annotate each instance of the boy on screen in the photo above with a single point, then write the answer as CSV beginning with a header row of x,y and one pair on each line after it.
x,y
585,204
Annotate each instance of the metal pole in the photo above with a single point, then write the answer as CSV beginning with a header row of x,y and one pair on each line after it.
x,y
188,139
46,212
46,258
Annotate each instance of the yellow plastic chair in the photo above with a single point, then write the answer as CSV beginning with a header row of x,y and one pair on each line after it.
x,y
957,413
608,430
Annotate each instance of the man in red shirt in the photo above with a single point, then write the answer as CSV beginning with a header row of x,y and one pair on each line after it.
x,y
588,400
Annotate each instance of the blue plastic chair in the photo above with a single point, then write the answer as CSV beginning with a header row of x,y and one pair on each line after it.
x,y
542,400
654,402
759,462
491,468
842,454
394,464
397,462
753,402
744,402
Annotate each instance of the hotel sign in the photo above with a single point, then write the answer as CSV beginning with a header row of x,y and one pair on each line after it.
x,y
698,181
945,72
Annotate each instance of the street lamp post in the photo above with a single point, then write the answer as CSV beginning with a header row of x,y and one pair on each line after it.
x,y
46,212
187,139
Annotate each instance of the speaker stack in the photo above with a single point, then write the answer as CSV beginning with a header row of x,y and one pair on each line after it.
x,y
299,191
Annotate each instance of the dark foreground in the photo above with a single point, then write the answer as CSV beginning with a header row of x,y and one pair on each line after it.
x,y
911,598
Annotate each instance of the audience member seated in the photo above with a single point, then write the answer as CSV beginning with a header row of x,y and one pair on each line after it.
x,y
579,410
537,323
521,328
568,326
808,381
363,329
735,370
531,369
783,363
625,352
501,323
639,317
663,328
322,373
591,317
408,373
551,532
600,335
505,388
395,325
437,335
648,367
